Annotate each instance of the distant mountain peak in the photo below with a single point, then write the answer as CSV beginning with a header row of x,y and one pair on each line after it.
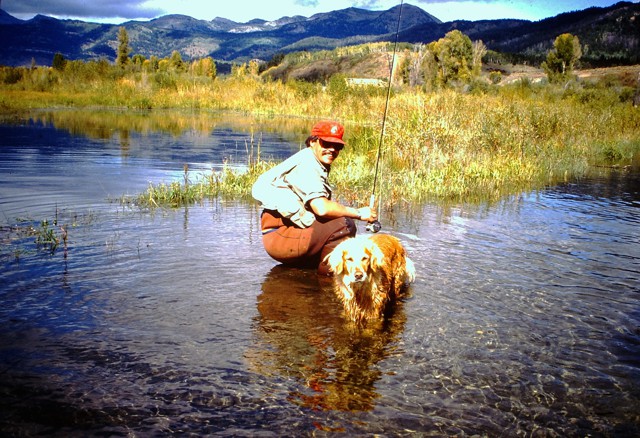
x,y
5,18
608,32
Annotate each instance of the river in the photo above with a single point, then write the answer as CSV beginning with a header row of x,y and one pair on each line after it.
x,y
524,319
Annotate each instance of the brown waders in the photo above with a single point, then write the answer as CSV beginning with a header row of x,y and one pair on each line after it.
x,y
303,247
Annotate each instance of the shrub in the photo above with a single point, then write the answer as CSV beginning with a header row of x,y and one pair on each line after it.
x,y
11,75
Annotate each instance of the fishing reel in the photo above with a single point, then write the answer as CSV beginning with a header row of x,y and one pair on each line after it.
x,y
374,226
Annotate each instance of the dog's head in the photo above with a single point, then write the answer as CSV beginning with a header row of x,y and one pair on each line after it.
x,y
355,259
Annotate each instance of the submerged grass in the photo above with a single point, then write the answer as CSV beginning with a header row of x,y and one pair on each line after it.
x,y
195,187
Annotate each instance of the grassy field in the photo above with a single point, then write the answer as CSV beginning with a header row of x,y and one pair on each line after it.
x,y
480,141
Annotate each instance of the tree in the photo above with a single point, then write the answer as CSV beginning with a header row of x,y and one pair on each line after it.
x,y
562,58
412,66
254,68
454,56
58,62
152,64
479,50
122,58
239,70
138,59
176,62
204,67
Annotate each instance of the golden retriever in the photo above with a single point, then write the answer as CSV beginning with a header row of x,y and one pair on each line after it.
x,y
369,274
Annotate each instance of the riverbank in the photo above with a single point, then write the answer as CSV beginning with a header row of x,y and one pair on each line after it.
x,y
480,141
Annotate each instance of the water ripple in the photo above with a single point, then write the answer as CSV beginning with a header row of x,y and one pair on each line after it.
x,y
523,320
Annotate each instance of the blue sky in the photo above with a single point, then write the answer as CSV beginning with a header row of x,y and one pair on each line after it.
x,y
118,11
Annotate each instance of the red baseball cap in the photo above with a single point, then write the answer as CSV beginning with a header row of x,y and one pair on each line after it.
x,y
329,131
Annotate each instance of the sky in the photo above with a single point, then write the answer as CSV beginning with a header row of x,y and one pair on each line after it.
x,y
241,11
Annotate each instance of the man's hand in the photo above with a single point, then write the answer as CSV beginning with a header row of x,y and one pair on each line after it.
x,y
367,214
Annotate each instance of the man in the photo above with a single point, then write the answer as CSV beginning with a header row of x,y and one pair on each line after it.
x,y
300,223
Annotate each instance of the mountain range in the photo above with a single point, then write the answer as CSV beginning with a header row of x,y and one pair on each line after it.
x,y
610,35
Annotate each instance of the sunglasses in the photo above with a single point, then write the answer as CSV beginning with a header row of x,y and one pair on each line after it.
x,y
328,145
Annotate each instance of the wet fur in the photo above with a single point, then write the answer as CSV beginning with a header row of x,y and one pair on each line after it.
x,y
369,274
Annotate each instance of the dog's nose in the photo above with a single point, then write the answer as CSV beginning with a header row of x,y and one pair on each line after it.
x,y
358,275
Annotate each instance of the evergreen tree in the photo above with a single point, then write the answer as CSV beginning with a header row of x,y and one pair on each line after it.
x,y
58,62
177,64
122,58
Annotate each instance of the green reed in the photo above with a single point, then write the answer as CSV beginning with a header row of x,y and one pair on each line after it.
x,y
198,186
49,236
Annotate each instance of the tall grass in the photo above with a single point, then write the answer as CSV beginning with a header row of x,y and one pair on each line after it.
x,y
227,183
456,145
488,142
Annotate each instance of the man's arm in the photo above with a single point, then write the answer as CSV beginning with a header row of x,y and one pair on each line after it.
x,y
327,208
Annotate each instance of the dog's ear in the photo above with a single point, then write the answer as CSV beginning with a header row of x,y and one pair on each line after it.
x,y
335,260
377,256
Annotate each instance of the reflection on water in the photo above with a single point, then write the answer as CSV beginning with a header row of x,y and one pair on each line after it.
x,y
302,336
71,159
524,319
107,124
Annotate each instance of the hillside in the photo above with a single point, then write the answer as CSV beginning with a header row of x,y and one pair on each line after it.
x,y
610,36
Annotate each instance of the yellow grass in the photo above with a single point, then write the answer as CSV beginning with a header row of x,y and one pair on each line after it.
x,y
445,144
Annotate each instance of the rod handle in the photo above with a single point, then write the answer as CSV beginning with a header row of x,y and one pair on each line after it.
x,y
374,226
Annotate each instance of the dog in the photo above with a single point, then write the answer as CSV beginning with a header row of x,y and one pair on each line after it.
x,y
369,274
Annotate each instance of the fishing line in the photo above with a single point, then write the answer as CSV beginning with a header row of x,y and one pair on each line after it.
x,y
375,226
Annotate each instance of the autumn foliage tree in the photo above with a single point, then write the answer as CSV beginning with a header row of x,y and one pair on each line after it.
x,y
454,56
452,60
203,67
562,58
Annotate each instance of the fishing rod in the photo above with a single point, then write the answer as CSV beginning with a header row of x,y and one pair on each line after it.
x,y
375,226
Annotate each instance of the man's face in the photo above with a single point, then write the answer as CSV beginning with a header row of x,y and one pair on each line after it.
x,y
325,151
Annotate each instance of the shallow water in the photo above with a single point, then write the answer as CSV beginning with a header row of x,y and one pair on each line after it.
x,y
524,319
